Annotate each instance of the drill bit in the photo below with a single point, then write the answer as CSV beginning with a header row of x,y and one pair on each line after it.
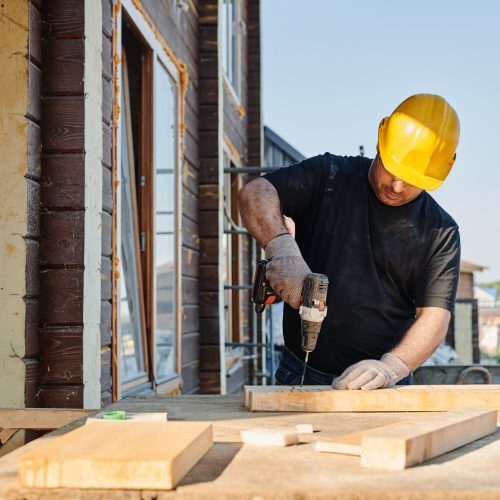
x,y
305,368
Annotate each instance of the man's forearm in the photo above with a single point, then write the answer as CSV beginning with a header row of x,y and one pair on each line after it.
x,y
421,340
261,211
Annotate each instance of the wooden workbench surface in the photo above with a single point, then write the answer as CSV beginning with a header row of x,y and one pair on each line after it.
x,y
231,470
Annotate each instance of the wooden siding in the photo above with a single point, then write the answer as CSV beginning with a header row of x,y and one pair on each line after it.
x,y
209,120
107,203
62,205
241,138
180,30
32,238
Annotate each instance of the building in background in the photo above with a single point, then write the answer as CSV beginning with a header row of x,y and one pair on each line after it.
x,y
119,273
463,333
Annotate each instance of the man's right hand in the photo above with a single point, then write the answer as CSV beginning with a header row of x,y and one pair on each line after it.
x,y
287,269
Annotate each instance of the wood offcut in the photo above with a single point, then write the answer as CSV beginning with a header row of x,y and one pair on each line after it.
x,y
402,444
414,442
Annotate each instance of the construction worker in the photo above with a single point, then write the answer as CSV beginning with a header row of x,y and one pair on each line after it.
x,y
391,253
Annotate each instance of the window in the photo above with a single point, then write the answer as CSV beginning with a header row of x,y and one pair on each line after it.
x,y
231,42
165,154
232,257
149,198
133,360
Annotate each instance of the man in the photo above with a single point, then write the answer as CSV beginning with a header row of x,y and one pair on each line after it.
x,y
391,253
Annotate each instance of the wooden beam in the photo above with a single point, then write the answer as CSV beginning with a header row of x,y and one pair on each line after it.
x,y
34,418
119,455
404,398
410,443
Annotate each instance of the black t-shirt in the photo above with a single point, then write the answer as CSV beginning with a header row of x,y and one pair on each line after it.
x,y
381,261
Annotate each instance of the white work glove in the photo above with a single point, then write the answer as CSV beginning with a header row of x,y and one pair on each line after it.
x,y
372,374
287,269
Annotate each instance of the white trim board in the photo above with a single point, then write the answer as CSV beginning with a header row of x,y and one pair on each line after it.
x,y
93,205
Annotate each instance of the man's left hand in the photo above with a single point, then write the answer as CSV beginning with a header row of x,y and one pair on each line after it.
x,y
372,374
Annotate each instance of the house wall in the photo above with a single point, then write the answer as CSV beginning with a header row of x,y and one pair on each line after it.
x,y
210,191
20,59
58,343
71,183
465,286
232,123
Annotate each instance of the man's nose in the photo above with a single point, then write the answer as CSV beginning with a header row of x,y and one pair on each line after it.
x,y
398,186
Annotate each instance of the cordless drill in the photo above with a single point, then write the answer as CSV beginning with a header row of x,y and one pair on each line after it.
x,y
312,309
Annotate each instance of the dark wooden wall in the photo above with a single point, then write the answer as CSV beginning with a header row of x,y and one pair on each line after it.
x,y
180,31
254,107
107,201
209,196
240,121
34,177
63,205
62,215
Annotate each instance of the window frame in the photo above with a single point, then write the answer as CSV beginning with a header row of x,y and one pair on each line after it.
x,y
156,51
141,379
234,85
235,276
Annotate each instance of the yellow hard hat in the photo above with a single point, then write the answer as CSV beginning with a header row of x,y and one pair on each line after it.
x,y
417,142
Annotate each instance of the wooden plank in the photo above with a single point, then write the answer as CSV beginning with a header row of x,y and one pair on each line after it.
x,y
32,323
32,270
62,298
63,61
123,454
190,376
105,323
35,37
107,234
63,183
35,418
63,19
62,238
404,398
348,444
63,125
61,355
414,442
190,262
106,276
60,396
190,319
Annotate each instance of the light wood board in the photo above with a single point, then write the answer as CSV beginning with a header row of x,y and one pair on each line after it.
x,y
410,443
38,418
269,437
120,455
404,398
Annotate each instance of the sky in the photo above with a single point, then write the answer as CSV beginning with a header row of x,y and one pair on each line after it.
x,y
332,69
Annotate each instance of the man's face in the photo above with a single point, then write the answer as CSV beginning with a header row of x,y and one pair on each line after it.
x,y
389,189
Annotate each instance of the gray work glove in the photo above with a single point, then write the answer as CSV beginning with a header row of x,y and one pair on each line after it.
x,y
372,374
287,269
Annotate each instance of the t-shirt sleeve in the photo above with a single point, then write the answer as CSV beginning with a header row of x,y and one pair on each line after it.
x,y
437,285
299,185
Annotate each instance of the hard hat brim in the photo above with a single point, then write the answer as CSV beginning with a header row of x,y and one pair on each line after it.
x,y
401,171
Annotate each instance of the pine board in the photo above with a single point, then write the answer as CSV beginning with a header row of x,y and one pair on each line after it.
x,y
118,455
406,444
404,398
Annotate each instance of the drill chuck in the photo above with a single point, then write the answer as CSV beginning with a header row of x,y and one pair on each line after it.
x,y
313,309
